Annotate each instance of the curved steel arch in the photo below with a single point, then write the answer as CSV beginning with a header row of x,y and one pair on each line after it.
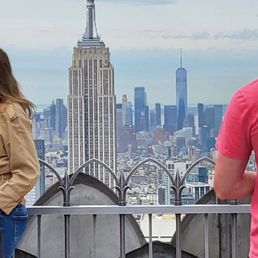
x,y
94,161
205,158
42,162
178,183
153,161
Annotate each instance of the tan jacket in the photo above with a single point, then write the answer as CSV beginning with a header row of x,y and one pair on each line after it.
x,y
19,166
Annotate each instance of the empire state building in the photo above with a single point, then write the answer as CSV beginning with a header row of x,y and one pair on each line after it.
x,y
91,103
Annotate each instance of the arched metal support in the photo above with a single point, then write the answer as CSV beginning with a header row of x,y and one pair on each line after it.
x,y
64,185
98,162
67,183
121,183
179,185
44,163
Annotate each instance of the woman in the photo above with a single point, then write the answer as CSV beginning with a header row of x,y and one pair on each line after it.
x,y
19,167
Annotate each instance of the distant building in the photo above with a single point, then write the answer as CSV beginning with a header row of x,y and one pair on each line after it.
x,y
39,188
152,119
51,123
139,108
119,122
190,122
200,108
198,189
161,195
170,118
209,117
159,135
53,116
61,118
173,166
127,112
46,134
158,114
180,144
203,174
119,116
147,118
181,114
186,132
126,141
47,118
36,125
40,146
181,93
204,136
218,110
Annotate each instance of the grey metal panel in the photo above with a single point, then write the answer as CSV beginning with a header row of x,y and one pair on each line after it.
x,y
143,209
88,238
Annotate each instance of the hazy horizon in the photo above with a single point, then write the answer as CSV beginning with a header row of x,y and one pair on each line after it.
x,y
219,46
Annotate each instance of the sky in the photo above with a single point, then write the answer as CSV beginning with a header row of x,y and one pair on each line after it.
x,y
219,40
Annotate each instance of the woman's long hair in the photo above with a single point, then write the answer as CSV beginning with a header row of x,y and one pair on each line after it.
x,y
9,88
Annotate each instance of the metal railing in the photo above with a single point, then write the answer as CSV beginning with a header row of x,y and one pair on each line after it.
x,y
66,185
122,211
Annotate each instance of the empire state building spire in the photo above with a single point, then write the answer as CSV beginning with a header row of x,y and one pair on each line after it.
x,y
91,28
91,37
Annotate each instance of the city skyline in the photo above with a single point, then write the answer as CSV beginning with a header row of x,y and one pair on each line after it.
x,y
220,55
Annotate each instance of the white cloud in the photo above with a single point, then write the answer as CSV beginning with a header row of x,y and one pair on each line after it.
x,y
130,24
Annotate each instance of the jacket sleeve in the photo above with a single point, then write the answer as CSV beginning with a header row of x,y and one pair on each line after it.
x,y
23,158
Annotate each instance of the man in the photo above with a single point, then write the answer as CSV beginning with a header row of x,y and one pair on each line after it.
x,y
237,139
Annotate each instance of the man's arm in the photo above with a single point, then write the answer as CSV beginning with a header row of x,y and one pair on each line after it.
x,y
231,181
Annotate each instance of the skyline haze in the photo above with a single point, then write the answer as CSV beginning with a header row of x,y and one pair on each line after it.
x,y
220,55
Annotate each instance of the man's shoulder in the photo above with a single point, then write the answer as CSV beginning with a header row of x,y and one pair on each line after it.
x,y
248,94
250,90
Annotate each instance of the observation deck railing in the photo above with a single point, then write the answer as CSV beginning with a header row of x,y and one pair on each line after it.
x,y
96,210
66,185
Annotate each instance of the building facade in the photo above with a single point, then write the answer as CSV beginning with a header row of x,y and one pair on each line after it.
x,y
158,114
170,118
61,118
127,112
181,93
91,103
139,108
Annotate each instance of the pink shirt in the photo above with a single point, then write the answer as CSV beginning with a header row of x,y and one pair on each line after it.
x,y
238,137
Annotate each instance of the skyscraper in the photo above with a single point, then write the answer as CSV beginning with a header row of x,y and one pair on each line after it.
x,y
91,103
200,108
53,116
209,117
40,147
152,119
127,113
189,122
158,114
181,93
170,118
218,110
61,118
147,118
139,108
39,188
119,117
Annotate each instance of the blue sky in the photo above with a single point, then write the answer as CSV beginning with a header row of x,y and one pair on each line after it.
x,y
219,40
